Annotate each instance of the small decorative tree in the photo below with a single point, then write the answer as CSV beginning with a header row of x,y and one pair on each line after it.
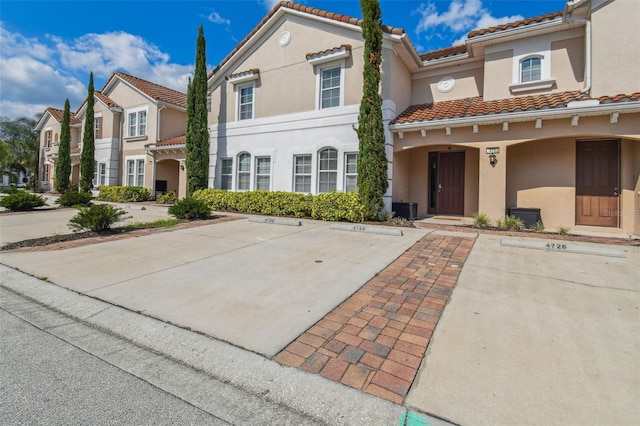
x,y
372,159
63,165
87,158
197,133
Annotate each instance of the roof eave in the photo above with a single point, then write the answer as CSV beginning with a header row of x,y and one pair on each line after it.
x,y
551,113
521,30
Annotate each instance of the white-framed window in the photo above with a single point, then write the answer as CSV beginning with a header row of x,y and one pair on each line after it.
x,y
245,102
47,138
330,87
226,173
46,172
135,172
244,171
97,128
99,174
263,173
137,123
302,173
327,170
531,69
351,171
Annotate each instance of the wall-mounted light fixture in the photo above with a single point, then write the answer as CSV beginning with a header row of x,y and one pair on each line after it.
x,y
182,167
493,160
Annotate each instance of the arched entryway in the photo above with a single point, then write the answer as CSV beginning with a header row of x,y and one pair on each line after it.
x,y
167,176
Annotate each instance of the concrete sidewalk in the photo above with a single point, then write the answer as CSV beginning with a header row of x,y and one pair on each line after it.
x,y
533,332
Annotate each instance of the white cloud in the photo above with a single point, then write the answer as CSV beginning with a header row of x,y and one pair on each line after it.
x,y
461,17
40,73
217,19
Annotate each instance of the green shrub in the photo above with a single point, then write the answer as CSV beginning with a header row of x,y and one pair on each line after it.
x,y
190,209
481,220
538,227
277,203
22,201
123,194
73,198
336,206
167,198
563,230
160,223
97,218
9,189
510,223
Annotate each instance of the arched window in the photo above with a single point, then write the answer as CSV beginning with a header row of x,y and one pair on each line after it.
x,y
327,170
531,69
244,171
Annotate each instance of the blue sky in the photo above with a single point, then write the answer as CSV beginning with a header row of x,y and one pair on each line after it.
x,y
48,48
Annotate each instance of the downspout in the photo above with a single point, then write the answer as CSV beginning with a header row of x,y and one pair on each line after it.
x,y
587,48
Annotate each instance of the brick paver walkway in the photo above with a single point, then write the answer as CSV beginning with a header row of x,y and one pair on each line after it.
x,y
376,339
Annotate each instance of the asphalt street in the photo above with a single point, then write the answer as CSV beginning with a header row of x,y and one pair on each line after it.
x,y
53,373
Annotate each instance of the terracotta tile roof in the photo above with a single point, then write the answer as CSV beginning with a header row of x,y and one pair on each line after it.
x,y
443,53
476,106
153,90
106,100
619,98
333,49
305,9
238,74
178,140
523,22
57,115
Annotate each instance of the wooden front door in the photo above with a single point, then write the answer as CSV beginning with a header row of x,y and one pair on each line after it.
x,y
597,182
450,183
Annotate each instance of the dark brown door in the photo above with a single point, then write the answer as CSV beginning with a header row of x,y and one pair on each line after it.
x,y
451,183
597,182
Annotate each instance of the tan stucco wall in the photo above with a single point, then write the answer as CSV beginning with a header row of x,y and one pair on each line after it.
x,y
498,65
172,123
567,63
468,83
287,82
396,80
616,48
130,99
541,174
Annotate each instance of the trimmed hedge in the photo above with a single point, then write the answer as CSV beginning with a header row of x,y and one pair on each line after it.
x,y
334,206
123,194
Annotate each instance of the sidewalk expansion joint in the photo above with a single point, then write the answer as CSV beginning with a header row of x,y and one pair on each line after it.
x,y
376,339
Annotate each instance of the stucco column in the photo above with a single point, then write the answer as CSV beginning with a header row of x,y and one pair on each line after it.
x,y
492,183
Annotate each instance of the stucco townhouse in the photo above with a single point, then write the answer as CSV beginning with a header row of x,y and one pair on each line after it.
x,y
540,114
139,129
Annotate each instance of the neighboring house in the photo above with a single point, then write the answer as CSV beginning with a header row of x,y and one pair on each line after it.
x,y
49,127
133,121
542,113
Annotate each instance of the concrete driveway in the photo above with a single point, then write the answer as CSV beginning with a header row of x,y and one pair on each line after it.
x,y
531,334
255,285
535,336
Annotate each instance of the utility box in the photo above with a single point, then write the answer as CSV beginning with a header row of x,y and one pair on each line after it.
x,y
408,211
529,216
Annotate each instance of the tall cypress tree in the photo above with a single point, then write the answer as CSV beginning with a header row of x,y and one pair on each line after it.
x,y
372,160
87,158
63,166
197,132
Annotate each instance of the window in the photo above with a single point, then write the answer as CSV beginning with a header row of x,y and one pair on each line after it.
x,y
97,128
244,172
263,173
47,138
330,88
327,170
246,103
138,123
530,69
302,173
351,172
100,174
226,172
46,172
135,172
